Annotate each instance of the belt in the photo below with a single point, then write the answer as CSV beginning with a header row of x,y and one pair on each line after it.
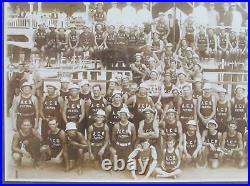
x,y
25,115
97,144
123,144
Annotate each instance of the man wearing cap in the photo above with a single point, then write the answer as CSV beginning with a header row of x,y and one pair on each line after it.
x,y
26,143
142,38
155,87
64,91
138,69
211,140
112,85
95,103
233,48
197,88
157,46
161,25
186,107
62,42
39,39
55,144
85,92
112,109
77,146
99,15
212,44
171,127
149,127
182,80
25,106
110,39
239,109
73,42
201,42
206,107
98,138
242,44
142,154
73,110
51,106
51,44
223,110
223,46
232,145
192,144
188,31
123,135
138,102
86,42
121,43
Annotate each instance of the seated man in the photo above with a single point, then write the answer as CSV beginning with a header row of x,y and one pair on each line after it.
x,y
143,159
76,145
211,142
26,143
232,145
171,160
55,145
192,144
98,138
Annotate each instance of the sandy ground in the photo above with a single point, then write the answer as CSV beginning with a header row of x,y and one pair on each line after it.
x,y
54,172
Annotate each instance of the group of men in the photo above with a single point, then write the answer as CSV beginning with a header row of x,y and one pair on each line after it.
x,y
166,123
165,117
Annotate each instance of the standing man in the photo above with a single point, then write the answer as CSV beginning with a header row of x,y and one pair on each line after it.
x,y
25,106
95,103
52,106
149,127
123,135
206,107
74,107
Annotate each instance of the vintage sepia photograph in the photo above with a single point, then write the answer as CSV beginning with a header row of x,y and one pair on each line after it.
x,y
125,92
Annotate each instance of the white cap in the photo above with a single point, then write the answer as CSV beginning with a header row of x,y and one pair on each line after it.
x,y
213,122
116,92
50,85
154,70
189,48
72,26
181,72
191,122
26,83
101,112
148,109
143,85
221,89
239,86
169,45
65,80
175,88
74,86
206,86
70,126
84,82
52,26
124,110
171,111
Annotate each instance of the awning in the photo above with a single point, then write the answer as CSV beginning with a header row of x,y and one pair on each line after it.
x,y
27,45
